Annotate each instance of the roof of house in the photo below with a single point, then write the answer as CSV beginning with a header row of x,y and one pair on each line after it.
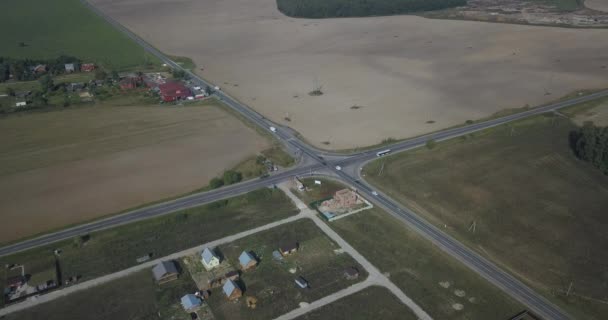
x,y
232,273
164,268
288,246
190,301
172,88
351,271
302,282
245,258
229,287
208,255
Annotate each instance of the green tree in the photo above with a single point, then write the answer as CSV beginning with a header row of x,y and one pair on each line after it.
x,y
115,75
46,83
231,177
216,183
100,74
10,91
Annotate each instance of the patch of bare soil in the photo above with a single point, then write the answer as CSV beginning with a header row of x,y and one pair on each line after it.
x,y
413,75
62,168
597,115
599,5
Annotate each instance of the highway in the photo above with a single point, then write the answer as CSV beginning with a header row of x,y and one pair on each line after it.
x,y
320,161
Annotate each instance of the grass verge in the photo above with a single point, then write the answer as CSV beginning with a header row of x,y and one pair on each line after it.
x,y
516,186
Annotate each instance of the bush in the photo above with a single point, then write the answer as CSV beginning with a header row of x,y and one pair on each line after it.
x,y
231,177
590,143
216,183
431,144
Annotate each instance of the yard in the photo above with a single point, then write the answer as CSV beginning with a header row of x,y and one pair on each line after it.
x,y
516,194
47,29
116,249
134,297
318,260
370,303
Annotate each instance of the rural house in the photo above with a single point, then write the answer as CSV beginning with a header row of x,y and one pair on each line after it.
x,y
165,271
173,91
247,261
351,273
70,67
232,290
41,68
190,302
288,248
87,67
209,259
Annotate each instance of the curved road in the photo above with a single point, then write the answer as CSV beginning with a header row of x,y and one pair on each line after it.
x,y
324,160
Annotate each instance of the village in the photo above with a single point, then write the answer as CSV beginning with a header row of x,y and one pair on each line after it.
x,y
260,275
43,85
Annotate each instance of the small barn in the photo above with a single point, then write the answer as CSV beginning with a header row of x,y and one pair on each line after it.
x,y
190,302
301,282
70,67
165,271
247,261
209,259
232,290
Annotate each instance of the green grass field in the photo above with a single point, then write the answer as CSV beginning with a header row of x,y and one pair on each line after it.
x,y
134,297
438,283
517,195
272,283
370,303
414,264
118,248
52,28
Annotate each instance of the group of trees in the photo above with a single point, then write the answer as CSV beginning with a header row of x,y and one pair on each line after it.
x,y
360,8
21,69
590,143
229,177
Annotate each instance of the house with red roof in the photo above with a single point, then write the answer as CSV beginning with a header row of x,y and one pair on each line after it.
x,y
173,91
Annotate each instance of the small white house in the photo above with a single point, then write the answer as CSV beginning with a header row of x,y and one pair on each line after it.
x,y
21,104
209,259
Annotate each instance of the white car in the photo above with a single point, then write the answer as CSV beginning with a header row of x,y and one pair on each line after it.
x,y
375,193
338,168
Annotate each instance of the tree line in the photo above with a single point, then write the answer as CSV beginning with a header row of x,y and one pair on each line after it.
x,y
21,69
590,143
360,8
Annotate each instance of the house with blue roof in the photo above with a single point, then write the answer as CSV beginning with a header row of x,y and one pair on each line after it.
x,y
247,261
191,301
209,259
232,290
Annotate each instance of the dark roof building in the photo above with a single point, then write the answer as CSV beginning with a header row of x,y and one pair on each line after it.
x,y
288,248
165,271
351,273
190,302
173,91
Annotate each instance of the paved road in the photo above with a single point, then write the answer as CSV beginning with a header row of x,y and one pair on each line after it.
x,y
327,160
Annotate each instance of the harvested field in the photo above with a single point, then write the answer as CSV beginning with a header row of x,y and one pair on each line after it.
x,y
80,164
598,115
401,71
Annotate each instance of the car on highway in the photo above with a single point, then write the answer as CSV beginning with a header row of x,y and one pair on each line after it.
x,y
375,193
338,168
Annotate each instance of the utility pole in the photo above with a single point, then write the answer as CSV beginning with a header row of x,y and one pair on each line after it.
x,y
569,288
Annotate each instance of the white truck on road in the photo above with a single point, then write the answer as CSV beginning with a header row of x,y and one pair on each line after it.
x,y
273,129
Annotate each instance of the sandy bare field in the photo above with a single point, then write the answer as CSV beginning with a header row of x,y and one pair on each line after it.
x,y
404,71
60,168
600,5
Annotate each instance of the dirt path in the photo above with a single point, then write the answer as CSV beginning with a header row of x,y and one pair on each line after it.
x,y
375,276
